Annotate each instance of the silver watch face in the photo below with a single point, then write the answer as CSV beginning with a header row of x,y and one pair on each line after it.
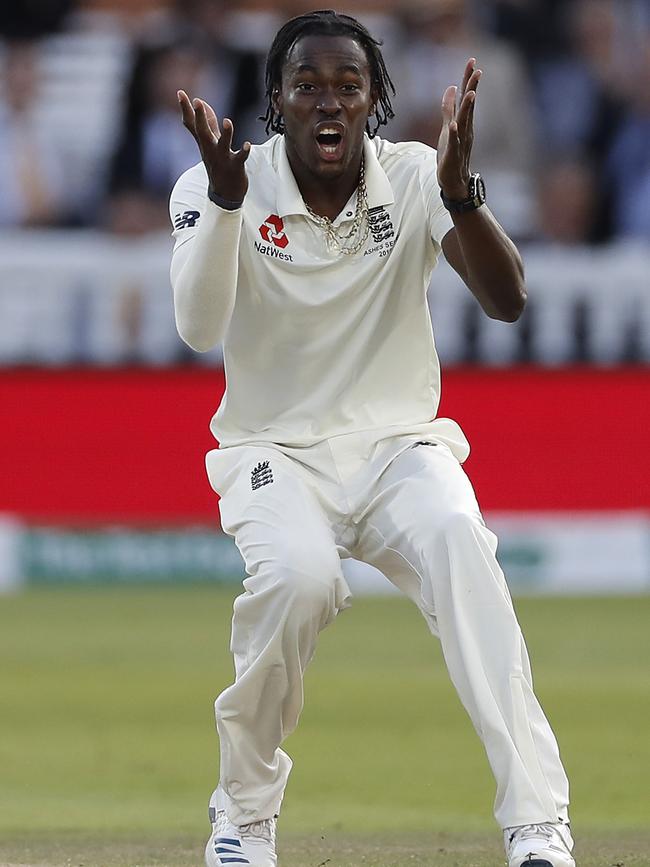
x,y
477,188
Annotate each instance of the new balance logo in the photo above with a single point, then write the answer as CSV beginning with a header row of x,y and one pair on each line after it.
x,y
261,475
380,224
186,220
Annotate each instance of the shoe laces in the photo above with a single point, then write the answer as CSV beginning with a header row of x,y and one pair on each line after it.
x,y
264,829
526,832
549,833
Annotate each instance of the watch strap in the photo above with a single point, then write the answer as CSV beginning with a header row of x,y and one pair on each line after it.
x,y
475,199
226,204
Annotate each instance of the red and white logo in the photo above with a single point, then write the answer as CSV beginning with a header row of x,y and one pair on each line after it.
x,y
272,230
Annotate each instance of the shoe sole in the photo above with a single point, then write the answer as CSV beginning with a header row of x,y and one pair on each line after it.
x,y
543,862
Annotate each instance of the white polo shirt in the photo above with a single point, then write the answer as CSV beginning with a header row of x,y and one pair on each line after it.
x,y
321,344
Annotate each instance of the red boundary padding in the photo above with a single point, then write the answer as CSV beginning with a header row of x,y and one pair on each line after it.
x,y
116,445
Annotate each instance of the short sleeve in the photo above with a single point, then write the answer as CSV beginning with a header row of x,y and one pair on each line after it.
x,y
440,221
187,203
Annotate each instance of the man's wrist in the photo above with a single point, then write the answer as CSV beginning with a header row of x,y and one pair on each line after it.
x,y
221,202
469,199
456,193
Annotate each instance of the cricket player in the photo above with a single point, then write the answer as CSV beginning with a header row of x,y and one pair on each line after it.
x,y
309,256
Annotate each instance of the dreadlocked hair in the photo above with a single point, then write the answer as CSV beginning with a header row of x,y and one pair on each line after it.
x,y
327,22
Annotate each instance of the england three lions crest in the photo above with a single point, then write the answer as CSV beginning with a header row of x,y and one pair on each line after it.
x,y
261,475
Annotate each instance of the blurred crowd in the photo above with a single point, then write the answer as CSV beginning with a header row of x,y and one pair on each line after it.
x,y
90,132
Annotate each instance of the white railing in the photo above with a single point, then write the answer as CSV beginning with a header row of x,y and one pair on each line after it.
x,y
85,297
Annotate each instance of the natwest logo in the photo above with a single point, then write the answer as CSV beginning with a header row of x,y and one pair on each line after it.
x,y
272,230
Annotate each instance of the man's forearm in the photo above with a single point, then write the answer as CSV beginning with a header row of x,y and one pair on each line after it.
x,y
204,278
494,270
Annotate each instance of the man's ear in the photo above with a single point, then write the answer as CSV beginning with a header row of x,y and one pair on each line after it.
x,y
374,97
276,100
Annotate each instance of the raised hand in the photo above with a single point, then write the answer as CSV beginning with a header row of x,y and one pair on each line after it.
x,y
225,167
457,134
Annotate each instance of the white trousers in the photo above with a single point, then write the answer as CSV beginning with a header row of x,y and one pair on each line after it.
x,y
409,510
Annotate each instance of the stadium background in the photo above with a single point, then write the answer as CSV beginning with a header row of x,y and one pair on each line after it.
x,y
106,518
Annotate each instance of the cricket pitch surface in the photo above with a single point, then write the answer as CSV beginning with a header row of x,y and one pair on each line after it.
x,y
108,753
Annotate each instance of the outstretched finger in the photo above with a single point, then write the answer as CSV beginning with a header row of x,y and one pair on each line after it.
x,y
244,152
466,112
470,113
213,121
225,142
449,104
469,70
189,117
205,135
473,81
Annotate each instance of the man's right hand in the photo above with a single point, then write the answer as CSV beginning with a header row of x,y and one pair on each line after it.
x,y
225,167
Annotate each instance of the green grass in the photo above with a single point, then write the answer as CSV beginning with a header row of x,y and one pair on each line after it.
x,y
108,752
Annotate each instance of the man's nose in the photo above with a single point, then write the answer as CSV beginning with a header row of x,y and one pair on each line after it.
x,y
329,102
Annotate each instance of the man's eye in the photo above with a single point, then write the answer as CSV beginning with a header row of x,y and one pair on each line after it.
x,y
350,88
307,88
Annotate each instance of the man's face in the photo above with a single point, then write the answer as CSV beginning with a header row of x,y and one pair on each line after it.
x,y
325,99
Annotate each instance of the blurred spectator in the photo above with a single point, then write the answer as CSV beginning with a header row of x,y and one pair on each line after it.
x,y
628,162
131,217
31,166
125,7
202,57
567,197
441,38
30,19
133,213
534,26
135,16
578,88
580,93
155,148
241,35
640,15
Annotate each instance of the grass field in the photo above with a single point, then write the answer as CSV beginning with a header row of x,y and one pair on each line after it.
x,y
108,754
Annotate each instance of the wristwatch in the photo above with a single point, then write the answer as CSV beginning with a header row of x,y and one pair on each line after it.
x,y
476,197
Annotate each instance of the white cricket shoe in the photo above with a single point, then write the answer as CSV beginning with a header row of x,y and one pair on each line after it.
x,y
545,845
252,844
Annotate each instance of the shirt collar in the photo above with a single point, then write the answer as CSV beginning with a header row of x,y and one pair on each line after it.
x,y
289,200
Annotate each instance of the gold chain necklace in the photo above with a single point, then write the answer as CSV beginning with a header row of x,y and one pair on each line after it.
x,y
360,228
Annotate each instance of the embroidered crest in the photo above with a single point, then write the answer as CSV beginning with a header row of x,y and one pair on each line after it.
x,y
261,475
381,225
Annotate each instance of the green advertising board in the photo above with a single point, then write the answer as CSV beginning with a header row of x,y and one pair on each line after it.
x,y
123,555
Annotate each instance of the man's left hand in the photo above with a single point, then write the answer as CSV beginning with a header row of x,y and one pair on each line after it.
x,y
457,135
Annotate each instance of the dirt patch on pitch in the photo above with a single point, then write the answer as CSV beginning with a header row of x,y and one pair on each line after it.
x,y
331,850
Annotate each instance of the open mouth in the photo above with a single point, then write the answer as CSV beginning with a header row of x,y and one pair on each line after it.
x,y
330,142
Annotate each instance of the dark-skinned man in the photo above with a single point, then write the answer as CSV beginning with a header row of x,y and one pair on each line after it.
x,y
309,256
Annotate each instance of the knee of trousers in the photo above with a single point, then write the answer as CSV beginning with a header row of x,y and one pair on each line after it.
x,y
459,536
465,547
463,525
297,581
